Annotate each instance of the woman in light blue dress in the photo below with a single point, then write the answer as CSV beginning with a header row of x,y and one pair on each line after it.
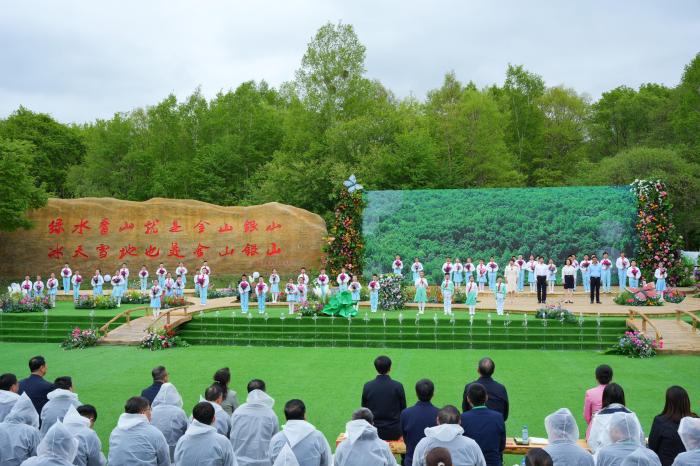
x,y
155,293
355,288
374,293
244,292
457,272
291,290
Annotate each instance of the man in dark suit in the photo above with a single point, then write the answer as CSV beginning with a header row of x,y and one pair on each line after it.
x,y
415,419
160,376
35,386
386,399
497,394
485,426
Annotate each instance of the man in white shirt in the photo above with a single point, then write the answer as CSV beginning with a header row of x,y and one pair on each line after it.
x,y
541,272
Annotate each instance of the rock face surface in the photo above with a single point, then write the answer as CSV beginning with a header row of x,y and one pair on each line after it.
x,y
103,233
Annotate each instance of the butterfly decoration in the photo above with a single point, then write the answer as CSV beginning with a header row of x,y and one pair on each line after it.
x,y
352,184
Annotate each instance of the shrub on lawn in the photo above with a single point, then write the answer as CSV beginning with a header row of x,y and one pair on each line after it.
x,y
79,339
636,345
18,303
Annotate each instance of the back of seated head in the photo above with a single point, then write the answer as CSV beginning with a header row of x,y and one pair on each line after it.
x,y
448,415
363,413
87,411
36,363
203,412
256,384
137,405
294,410
476,394
538,457
382,364
603,374
159,373
64,382
7,381
438,456
425,390
487,367
213,392
613,393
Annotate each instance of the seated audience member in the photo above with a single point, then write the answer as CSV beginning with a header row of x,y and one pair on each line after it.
x,y
215,396
160,376
386,399
60,399
497,394
80,423
309,446
363,447
19,433
252,426
485,426
438,457
593,401
623,432
167,415
613,402
57,448
663,436
562,434
448,434
689,431
641,457
538,457
202,445
417,418
9,388
222,377
135,440
35,386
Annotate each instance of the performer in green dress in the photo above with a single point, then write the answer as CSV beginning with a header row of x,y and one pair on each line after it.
x,y
421,297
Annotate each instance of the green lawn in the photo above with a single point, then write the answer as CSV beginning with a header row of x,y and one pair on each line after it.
x,y
330,380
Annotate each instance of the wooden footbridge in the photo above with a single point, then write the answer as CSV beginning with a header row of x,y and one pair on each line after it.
x,y
677,335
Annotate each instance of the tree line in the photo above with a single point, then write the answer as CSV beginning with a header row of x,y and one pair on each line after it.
x,y
296,143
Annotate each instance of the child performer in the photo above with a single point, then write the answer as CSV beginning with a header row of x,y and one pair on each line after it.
x,y
52,288
202,281
181,271
575,264
291,290
322,281
97,282
205,269
343,280
500,291
76,280
117,287
143,278
481,272
155,293
551,275
374,293
304,276
397,266
244,293
416,269
447,267
634,275
521,272
585,273
568,277
261,293
27,286
179,287
274,285
531,273
622,264
355,288
302,289
448,288
660,274
169,285
124,272
472,290
66,274
511,273
421,292
38,287
469,269
161,273
606,265
458,273
493,270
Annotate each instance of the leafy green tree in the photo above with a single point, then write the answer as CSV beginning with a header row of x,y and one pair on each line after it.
x,y
685,118
19,192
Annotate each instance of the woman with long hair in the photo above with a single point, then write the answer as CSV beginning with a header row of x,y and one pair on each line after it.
x,y
222,378
663,438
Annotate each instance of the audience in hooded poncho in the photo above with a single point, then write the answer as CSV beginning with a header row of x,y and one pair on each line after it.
x,y
215,395
613,402
79,422
689,430
449,434
562,434
19,433
202,444
622,440
167,415
9,388
309,446
57,448
135,441
60,399
363,446
254,424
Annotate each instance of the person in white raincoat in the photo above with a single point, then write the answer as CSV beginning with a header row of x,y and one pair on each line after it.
x,y
623,433
642,457
252,426
135,441
562,433
9,386
215,395
310,446
89,445
19,433
689,431
363,446
57,448
202,445
60,400
449,434
167,415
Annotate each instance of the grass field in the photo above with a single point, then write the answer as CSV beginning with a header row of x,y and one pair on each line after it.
x,y
330,380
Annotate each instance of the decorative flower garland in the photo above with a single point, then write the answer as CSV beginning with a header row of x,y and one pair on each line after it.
x,y
345,244
658,240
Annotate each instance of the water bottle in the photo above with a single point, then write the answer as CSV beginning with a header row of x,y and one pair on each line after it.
x,y
526,436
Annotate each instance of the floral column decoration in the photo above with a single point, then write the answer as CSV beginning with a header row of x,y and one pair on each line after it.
x,y
345,243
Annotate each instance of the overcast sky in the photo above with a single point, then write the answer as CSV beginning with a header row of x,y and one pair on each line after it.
x,y
82,60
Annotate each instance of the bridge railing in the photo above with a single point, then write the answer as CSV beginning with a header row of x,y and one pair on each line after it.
x,y
645,321
104,330
695,319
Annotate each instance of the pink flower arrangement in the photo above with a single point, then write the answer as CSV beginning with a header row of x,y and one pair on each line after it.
x,y
78,279
373,285
521,262
244,285
323,279
161,271
26,286
143,273
300,287
123,272
448,268
200,280
492,265
343,277
552,268
290,288
261,287
65,272
606,263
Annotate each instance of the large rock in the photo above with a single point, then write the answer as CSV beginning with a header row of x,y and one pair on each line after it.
x,y
102,233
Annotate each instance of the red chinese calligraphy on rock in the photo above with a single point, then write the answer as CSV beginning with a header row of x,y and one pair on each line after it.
x,y
273,226
128,250
81,226
175,227
79,252
227,252
225,228
273,250
56,226
151,227
152,251
102,250
200,226
56,253
175,250
250,250
104,226
250,226
201,249
126,226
